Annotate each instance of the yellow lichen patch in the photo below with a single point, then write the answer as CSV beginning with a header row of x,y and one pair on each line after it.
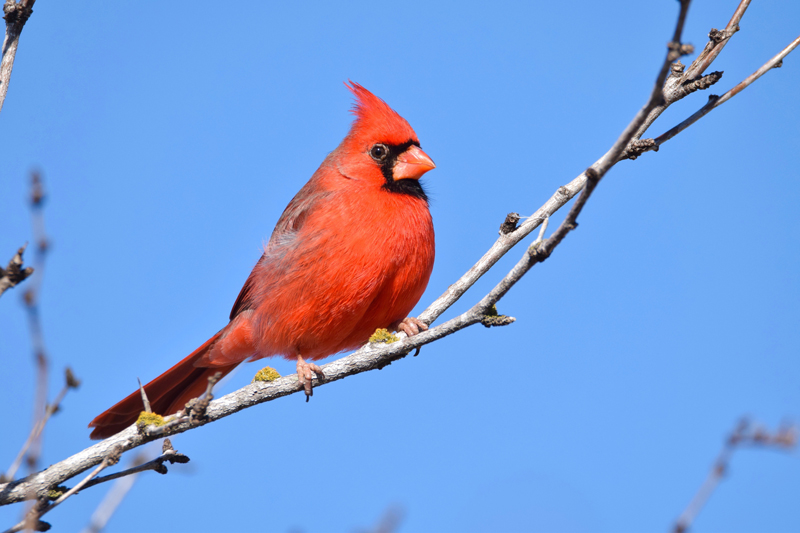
x,y
266,374
150,419
56,492
383,335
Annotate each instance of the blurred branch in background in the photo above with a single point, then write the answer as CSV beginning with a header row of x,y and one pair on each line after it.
x,y
32,298
389,522
125,480
113,498
32,520
16,14
746,434
71,383
42,411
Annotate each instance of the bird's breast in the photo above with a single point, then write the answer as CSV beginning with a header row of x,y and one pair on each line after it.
x,y
358,262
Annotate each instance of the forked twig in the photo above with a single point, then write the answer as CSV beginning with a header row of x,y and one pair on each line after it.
x,y
716,101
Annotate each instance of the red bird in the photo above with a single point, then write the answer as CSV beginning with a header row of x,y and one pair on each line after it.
x,y
351,253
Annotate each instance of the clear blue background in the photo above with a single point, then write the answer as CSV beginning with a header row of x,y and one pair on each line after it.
x,y
172,135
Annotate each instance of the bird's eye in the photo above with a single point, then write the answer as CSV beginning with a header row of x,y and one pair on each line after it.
x,y
379,152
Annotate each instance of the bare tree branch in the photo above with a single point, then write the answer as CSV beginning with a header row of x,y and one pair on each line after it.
x,y
371,356
565,193
14,274
168,454
16,15
745,434
717,41
378,355
716,101
682,82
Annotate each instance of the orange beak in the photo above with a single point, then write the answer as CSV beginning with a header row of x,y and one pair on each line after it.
x,y
412,164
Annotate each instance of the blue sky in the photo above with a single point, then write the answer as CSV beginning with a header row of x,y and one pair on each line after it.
x,y
171,139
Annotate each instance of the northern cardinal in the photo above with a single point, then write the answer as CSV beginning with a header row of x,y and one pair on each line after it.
x,y
352,252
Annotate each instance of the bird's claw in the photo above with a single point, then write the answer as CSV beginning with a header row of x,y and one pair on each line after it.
x,y
411,326
305,375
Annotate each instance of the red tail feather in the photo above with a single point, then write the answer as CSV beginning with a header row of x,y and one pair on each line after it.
x,y
168,393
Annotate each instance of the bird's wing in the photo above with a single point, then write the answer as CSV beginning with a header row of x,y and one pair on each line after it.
x,y
283,237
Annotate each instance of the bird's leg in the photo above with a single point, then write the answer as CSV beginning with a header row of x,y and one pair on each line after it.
x,y
305,374
411,326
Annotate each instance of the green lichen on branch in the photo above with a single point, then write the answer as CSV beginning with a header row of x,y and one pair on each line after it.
x,y
266,374
56,492
149,419
383,335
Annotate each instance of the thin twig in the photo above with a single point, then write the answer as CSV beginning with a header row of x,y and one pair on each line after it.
x,y
168,454
745,434
16,15
564,194
716,101
113,498
717,41
542,231
71,383
683,82
689,82
41,509
539,251
145,401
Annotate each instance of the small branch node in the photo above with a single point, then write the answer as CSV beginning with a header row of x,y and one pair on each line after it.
x,y
509,224
200,406
592,176
17,13
538,252
702,83
72,381
14,274
499,320
114,455
491,318
638,147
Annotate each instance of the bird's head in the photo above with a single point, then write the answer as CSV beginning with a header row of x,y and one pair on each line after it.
x,y
382,147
